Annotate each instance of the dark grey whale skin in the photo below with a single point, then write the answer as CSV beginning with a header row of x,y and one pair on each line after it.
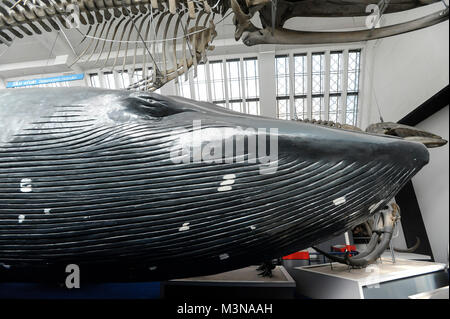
x,y
86,178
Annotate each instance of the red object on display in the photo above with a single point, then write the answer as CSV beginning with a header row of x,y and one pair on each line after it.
x,y
300,255
343,248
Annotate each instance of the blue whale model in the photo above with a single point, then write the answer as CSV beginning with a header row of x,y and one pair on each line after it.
x,y
139,186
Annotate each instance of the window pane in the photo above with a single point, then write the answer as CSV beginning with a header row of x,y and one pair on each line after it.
x,y
217,81
236,106
336,70
94,79
301,74
318,73
184,88
317,108
149,73
200,84
317,85
283,109
251,78
354,60
109,80
234,79
282,75
136,77
300,108
353,71
253,107
352,109
124,79
335,109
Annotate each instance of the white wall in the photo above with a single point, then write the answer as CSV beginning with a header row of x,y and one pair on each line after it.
x,y
431,186
407,70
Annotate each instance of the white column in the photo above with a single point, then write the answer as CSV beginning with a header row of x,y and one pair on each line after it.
x,y
101,79
309,86
291,84
225,79
367,110
344,89
117,79
326,96
208,81
191,74
267,84
242,74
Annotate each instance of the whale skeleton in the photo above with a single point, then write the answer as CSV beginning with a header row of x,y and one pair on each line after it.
x,y
129,27
274,14
158,29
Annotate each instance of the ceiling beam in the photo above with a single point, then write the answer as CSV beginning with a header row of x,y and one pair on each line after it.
x,y
60,60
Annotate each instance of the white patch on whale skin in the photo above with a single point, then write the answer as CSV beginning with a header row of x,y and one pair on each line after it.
x,y
224,256
21,218
184,227
224,188
152,268
25,185
229,179
339,201
227,182
252,227
47,211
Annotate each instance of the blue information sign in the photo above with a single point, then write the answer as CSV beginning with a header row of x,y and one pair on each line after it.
x,y
62,78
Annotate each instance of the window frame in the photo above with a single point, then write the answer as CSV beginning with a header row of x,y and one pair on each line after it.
x,y
95,75
224,81
118,77
327,95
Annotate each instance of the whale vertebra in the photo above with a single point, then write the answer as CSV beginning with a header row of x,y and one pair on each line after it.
x,y
109,181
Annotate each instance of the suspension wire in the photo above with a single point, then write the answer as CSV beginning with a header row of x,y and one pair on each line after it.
x,y
145,45
65,36
378,107
186,35
53,47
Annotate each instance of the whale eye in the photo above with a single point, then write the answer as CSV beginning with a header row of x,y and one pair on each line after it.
x,y
148,104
